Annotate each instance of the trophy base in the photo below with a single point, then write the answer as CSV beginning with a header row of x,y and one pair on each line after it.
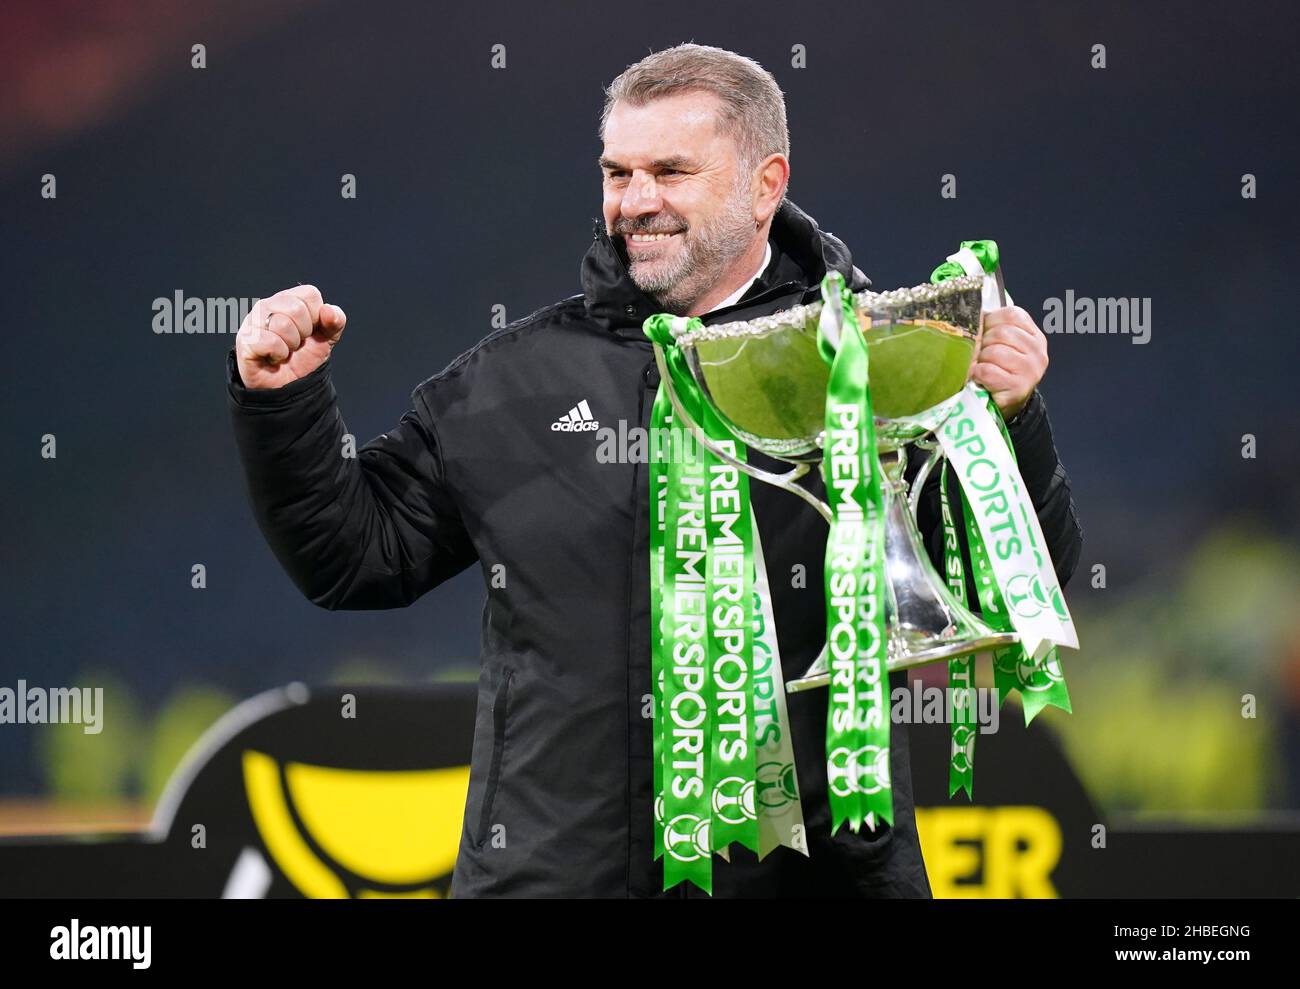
x,y
818,675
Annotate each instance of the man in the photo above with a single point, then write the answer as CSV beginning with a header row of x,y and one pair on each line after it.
x,y
695,168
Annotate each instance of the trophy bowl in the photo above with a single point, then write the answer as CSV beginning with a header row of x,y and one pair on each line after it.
x,y
767,380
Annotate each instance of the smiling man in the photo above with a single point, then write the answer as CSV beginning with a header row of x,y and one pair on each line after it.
x,y
695,167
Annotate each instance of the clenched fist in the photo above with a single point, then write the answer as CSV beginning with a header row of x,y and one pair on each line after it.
x,y
1012,358
287,337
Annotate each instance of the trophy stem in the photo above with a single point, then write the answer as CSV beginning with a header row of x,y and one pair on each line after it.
x,y
926,622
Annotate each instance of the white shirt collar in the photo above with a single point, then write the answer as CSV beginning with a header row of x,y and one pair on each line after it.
x,y
734,297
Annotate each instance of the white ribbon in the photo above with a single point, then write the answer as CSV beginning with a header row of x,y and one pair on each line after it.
x,y
781,825
1008,524
971,265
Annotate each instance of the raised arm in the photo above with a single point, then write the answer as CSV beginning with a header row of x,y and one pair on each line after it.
x,y
374,530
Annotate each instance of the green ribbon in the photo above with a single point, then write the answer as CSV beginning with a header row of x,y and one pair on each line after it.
x,y
661,416
703,621
857,721
961,669
1041,683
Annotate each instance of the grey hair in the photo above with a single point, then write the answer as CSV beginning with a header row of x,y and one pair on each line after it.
x,y
753,106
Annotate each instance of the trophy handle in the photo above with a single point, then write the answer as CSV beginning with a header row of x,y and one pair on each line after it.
x,y
784,481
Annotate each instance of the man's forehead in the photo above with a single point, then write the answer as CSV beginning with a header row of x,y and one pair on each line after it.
x,y
680,126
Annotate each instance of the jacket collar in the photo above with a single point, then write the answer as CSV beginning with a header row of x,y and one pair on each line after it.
x,y
613,299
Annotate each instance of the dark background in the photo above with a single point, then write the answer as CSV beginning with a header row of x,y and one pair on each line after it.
x,y
477,187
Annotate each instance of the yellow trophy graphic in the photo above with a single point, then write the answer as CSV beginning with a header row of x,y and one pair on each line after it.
x,y
357,833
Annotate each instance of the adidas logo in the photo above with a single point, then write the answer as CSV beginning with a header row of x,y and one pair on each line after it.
x,y
577,420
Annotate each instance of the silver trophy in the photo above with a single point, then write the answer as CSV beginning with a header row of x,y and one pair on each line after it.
x,y
767,381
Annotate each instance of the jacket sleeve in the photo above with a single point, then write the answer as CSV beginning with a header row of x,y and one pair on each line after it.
x,y
1048,486
374,530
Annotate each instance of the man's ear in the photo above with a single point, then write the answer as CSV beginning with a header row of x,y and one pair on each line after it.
x,y
773,175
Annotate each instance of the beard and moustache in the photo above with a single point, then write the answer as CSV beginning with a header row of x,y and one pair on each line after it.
x,y
708,249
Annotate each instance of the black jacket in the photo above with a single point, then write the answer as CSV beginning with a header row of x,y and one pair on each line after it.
x,y
560,798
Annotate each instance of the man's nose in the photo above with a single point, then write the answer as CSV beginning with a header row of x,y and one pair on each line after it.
x,y
641,196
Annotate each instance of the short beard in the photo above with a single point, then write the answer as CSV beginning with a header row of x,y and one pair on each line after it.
x,y
709,250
